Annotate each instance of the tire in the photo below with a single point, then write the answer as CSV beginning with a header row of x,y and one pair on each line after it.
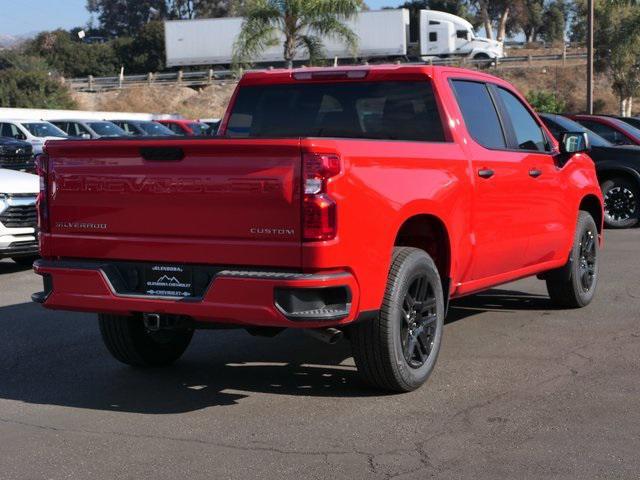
x,y
621,203
387,354
482,59
128,340
25,261
574,285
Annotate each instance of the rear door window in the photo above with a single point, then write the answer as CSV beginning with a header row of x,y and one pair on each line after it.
x,y
480,114
374,110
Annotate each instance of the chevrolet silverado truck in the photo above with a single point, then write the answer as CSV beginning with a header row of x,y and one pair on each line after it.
x,y
356,200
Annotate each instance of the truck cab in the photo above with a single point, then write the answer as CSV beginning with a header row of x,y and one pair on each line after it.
x,y
444,34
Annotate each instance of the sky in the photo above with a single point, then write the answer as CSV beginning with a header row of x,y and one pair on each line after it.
x,y
26,16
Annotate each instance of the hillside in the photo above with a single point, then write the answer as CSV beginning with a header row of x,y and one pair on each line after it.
x,y
567,81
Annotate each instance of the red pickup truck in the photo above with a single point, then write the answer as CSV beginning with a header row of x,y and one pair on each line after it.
x,y
359,201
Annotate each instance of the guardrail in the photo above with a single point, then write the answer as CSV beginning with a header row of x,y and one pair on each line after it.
x,y
208,77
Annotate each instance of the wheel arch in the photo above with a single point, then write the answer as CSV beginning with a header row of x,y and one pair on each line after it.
x,y
612,171
429,233
592,204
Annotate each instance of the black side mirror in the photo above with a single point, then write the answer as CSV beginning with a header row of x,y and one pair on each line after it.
x,y
574,142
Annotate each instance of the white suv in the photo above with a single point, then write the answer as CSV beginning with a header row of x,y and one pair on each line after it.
x,y
36,132
18,217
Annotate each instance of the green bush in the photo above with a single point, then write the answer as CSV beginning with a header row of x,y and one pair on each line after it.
x,y
32,89
73,58
546,102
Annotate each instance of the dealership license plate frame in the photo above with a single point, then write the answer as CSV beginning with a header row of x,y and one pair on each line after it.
x,y
168,281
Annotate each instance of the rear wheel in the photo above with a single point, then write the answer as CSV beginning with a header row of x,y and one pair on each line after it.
x,y
398,350
130,342
621,203
574,285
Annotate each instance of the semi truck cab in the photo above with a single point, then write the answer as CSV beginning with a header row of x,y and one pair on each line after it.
x,y
444,34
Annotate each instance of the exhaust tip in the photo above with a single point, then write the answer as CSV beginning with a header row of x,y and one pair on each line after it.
x,y
330,336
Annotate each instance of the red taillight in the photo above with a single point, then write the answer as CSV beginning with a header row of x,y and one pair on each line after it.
x,y
319,216
42,169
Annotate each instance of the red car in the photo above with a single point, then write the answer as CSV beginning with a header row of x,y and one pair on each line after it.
x,y
612,129
188,128
358,200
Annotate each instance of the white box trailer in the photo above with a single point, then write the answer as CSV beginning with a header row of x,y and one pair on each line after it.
x,y
382,33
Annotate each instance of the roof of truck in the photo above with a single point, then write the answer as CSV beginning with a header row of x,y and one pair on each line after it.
x,y
359,72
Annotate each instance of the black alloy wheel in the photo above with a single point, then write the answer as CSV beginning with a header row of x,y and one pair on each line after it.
x,y
398,350
621,203
587,259
419,321
574,284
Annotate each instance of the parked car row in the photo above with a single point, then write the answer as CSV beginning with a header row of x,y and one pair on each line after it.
x,y
36,132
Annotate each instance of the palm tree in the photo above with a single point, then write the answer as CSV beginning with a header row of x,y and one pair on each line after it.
x,y
302,23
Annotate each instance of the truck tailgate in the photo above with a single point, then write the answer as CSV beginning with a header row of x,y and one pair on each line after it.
x,y
210,201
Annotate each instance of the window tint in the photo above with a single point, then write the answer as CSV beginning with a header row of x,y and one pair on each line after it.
x,y
174,127
561,125
107,129
463,34
528,133
607,132
376,110
129,128
10,130
479,113
154,129
44,129
556,130
75,129
433,36
199,129
634,122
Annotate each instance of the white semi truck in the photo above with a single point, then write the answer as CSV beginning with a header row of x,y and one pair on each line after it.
x,y
383,35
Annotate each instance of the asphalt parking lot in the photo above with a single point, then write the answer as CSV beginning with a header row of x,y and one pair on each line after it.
x,y
520,391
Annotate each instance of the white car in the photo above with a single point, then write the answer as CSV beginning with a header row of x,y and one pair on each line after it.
x,y
36,132
18,217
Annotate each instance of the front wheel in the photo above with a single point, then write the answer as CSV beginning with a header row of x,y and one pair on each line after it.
x,y
574,285
130,342
398,350
621,203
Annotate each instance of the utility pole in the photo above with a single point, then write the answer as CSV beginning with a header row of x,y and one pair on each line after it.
x,y
590,58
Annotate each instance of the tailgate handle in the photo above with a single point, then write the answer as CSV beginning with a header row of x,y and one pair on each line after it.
x,y
162,154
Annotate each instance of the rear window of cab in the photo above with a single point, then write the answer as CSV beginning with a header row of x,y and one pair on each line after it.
x,y
391,110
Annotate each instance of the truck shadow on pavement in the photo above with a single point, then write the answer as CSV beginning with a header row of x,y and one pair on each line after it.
x,y
57,358
11,267
497,300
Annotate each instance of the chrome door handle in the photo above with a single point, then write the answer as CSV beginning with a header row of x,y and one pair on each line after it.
x,y
535,173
